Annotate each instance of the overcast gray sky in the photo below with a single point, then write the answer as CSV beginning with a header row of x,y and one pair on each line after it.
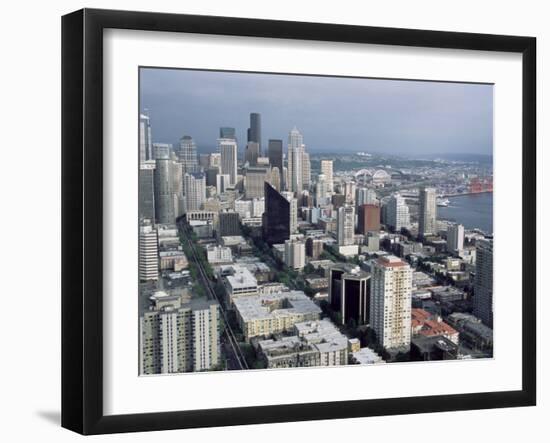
x,y
333,114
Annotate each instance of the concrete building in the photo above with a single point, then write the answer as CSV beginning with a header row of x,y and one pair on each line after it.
x,y
228,160
251,153
365,196
148,254
164,193
427,217
349,293
314,247
295,254
223,182
147,190
326,170
275,154
346,225
179,336
306,171
397,213
390,308
187,154
174,260
483,282
228,224
455,238
240,283
195,191
296,149
254,182
263,315
145,140
218,254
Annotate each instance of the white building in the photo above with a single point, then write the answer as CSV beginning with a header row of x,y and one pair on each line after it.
x,y
390,311
195,191
455,238
397,213
293,210
228,151
295,161
346,225
218,254
365,196
148,254
326,169
240,283
295,254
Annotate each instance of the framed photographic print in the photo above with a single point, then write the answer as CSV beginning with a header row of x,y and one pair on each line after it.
x,y
269,221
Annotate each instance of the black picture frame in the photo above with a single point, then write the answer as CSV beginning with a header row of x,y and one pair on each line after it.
x,y
82,215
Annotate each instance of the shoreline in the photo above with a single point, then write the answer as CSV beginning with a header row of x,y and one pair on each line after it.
x,y
466,193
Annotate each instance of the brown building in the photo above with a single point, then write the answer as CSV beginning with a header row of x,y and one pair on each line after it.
x,y
314,248
368,218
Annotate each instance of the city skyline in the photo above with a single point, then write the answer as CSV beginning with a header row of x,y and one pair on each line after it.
x,y
333,113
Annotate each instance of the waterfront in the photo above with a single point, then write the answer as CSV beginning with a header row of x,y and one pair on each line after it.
x,y
472,210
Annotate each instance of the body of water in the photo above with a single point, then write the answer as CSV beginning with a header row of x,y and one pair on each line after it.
x,y
472,211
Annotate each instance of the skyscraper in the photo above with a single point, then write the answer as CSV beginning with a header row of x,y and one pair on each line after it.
x,y
397,213
187,154
177,187
148,254
326,169
147,191
254,182
349,293
276,218
365,196
427,217
226,132
275,154
229,224
228,151
346,225
255,130
306,171
145,141
321,190
295,254
164,194
251,153
368,219
295,161
455,238
483,281
349,191
390,308
195,191
179,337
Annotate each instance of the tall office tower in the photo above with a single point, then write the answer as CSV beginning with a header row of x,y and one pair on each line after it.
x,y
228,151
275,178
187,154
390,307
275,154
162,151
322,191
177,188
483,281
147,191
276,218
226,132
254,182
178,336
368,219
455,238
223,182
346,225
295,254
349,293
211,176
255,130
349,191
295,161
338,200
145,141
397,213
204,162
251,153
215,160
306,171
195,190
326,169
148,254
293,210
229,224
365,196
427,216
164,193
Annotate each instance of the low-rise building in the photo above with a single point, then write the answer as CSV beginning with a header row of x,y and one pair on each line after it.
x,y
240,283
429,325
365,356
174,260
218,254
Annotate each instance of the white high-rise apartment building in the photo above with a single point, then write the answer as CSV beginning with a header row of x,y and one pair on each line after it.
x,y
326,169
349,191
483,282
293,210
179,337
390,310
295,254
397,213
322,190
455,238
228,160
148,254
195,191
295,161
346,225
306,171
427,217
365,196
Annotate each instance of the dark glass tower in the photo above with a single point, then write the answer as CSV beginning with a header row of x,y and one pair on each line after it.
x,y
275,154
276,218
255,131
226,132
349,294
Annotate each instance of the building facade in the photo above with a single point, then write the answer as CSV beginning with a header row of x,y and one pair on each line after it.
x,y
483,281
427,216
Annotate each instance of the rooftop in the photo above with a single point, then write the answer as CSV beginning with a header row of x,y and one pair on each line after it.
x,y
257,307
